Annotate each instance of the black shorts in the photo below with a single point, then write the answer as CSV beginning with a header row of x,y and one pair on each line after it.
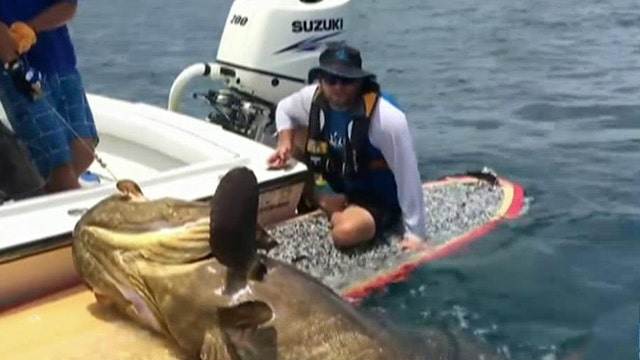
x,y
386,218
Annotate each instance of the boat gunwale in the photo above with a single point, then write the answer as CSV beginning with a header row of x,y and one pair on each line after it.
x,y
50,243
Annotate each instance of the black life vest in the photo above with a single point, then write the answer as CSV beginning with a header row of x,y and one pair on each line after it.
x,y
317,155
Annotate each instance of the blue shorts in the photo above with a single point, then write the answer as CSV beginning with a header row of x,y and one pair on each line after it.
x,y
48,125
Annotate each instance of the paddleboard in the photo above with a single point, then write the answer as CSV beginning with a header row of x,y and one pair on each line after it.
x,y
460,209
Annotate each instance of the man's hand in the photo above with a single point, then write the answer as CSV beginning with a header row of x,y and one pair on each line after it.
x,y
280,158
23,35
25,78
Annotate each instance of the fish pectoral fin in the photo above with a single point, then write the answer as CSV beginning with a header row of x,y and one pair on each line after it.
x,y
216,346
253,343
239,337
248,343
246,314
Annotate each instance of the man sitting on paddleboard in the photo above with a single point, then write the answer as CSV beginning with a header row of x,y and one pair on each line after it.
x,y
357,141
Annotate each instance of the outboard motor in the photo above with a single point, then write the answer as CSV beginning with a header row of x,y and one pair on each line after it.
x,y
266,50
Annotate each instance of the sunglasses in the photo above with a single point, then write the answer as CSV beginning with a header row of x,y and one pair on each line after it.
x,y
333,80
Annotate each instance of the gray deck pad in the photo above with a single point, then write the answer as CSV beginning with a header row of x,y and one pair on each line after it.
x,y
453,209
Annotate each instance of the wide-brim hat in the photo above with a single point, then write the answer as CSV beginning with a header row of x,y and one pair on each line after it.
x,y
342,61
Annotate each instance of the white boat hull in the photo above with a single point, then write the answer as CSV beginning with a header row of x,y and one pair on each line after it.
x,y
168,154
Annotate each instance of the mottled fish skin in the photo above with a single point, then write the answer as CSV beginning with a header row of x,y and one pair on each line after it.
x,y
125,216
284,314
310,320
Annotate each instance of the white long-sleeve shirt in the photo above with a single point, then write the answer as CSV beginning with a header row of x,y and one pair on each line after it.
x,y
389,132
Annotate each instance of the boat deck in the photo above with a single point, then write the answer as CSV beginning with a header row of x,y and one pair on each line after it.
x,y
70,325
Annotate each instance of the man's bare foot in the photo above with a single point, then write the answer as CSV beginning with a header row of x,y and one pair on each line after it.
x,y
413,244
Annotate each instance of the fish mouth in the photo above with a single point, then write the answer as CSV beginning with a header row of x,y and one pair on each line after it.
x,y
115,282
110,264
113,241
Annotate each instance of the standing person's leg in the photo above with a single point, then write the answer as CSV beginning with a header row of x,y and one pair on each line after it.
x,y
40,127
81,131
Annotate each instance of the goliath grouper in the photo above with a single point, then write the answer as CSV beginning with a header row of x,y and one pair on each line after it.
x,y
190,271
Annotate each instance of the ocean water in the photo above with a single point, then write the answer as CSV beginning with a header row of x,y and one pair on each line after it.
x,y
544,92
